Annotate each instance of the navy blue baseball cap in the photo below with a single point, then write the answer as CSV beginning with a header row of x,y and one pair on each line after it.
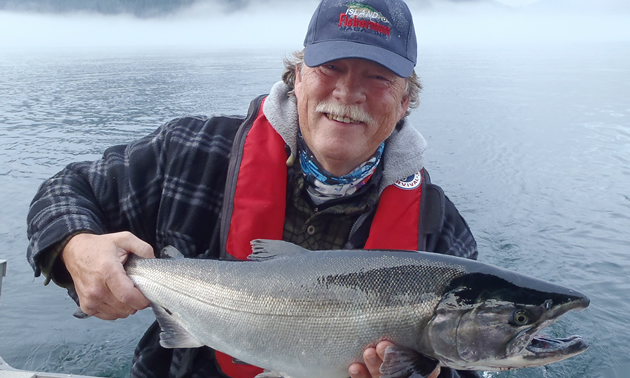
x,y
378,30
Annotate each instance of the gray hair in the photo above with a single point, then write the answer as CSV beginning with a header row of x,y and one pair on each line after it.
x,y
296,60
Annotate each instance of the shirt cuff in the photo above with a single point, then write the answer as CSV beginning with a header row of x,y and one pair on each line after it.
x,y
52,265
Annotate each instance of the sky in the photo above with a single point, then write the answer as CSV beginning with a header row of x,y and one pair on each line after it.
x,y
282,24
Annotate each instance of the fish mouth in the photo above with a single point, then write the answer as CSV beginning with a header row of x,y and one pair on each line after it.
x,y
539,348
542,350
543,345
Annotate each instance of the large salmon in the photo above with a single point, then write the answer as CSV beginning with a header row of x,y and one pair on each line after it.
x,y
300,313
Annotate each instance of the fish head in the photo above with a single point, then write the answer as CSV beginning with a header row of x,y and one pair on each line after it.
x,y
488,322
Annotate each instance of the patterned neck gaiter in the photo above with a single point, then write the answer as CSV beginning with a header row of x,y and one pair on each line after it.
x,y
323,186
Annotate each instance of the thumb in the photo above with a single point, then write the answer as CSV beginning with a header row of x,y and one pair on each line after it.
x,y
131,243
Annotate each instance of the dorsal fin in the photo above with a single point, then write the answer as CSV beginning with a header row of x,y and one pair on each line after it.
x,y
263,249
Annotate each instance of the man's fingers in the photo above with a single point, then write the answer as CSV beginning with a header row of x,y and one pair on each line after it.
x,y
95,263
109,312
373,358
435,373
372,361
357,370
125,293
380,349
104,306
368,370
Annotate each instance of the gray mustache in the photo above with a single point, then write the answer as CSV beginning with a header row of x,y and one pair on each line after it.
x,y
354,112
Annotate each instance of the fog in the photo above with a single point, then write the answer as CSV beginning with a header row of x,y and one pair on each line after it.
x,y
282,24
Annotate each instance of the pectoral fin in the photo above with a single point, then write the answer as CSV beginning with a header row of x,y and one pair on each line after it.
x,y
173,335
401,362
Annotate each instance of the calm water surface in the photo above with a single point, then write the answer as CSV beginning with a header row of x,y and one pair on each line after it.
x,y
531,143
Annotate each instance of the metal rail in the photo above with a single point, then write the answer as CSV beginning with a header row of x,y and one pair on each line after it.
x,y
3,272
6,371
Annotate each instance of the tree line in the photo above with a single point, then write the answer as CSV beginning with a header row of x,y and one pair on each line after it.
x,y
140,8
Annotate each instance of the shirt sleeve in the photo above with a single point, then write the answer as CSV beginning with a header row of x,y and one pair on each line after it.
x,y
454,237
166,188
121,191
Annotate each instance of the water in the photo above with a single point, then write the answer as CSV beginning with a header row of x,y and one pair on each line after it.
x,y
531,143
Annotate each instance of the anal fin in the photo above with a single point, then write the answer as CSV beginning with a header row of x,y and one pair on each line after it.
x,y
173,335
269,374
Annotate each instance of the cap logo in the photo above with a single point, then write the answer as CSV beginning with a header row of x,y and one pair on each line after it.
x,y
362,17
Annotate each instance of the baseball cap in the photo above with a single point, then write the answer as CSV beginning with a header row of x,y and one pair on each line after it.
x,y
378,30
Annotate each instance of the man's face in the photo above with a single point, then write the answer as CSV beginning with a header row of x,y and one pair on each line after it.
x,y
335,102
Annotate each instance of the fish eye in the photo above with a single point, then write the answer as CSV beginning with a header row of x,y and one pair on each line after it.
x,y
520,317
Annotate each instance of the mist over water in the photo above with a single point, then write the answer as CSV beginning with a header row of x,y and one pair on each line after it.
x,y
282,24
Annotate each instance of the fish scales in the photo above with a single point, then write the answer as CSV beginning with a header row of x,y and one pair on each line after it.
x,y
326,303
319,285
304,314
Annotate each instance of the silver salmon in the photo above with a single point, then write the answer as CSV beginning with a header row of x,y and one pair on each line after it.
x,y
303,314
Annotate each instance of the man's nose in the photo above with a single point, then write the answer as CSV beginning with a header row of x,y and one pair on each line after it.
x,y
349,89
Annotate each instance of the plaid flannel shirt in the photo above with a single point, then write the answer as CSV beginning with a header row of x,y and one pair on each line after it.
x,y
167,188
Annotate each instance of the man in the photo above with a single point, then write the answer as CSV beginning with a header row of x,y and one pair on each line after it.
x,y
328,160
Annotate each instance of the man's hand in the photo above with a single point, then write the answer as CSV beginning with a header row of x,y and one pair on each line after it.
x,y
373,359
95,263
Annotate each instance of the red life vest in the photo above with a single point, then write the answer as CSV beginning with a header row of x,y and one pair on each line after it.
x,y
259,203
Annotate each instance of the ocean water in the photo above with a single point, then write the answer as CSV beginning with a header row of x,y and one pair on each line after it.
x,y
532,143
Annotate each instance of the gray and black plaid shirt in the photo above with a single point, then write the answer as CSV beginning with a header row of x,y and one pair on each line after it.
x,y
167,188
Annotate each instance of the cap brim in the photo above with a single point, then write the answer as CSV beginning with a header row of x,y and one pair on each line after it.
x,y
323,52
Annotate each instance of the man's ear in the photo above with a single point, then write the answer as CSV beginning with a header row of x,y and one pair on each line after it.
x,y
298,78
298,72
404,106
